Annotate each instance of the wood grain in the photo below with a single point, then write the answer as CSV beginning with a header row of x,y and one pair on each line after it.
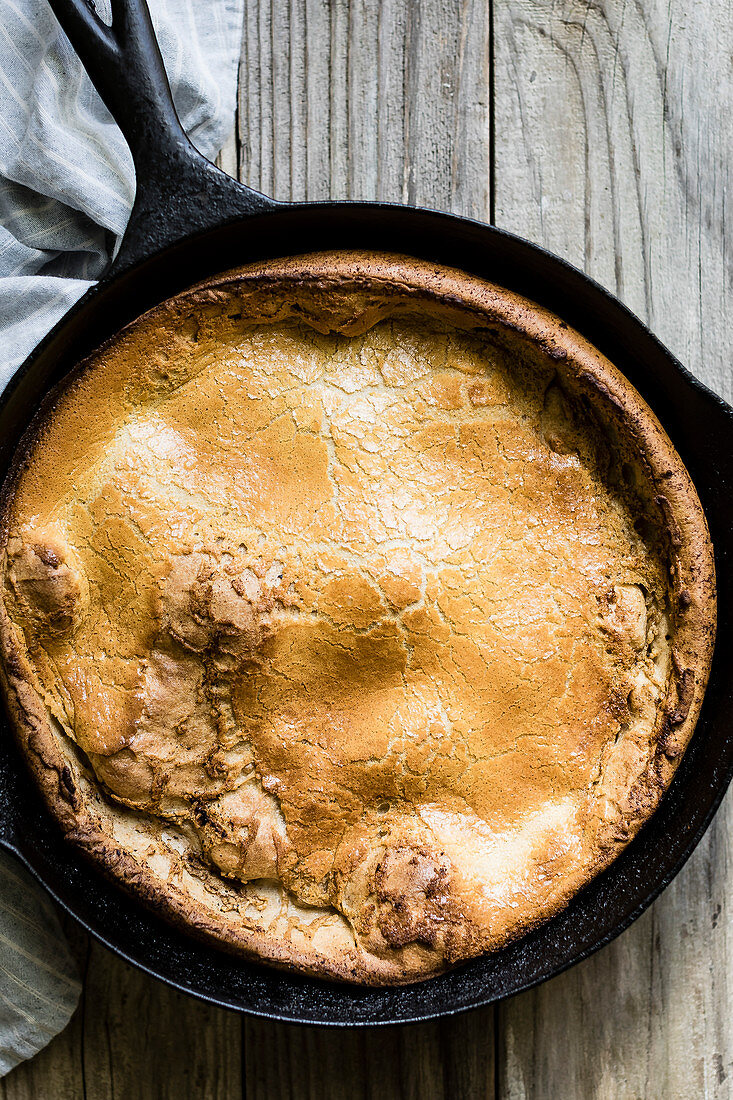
x,y
150,1041
367,100
613,140
437,1061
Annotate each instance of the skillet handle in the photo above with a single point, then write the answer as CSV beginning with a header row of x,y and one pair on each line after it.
x,y
179,191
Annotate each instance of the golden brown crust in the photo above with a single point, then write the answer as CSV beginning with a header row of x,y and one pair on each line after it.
x,y
404,863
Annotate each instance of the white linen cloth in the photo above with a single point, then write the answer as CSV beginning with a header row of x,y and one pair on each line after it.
x,y
66,190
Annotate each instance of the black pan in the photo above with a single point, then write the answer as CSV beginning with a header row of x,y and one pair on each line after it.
x,y
190,220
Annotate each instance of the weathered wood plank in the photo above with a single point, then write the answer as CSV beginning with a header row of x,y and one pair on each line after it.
x,y
437,1061
141,1040
366,100
613,138
228,159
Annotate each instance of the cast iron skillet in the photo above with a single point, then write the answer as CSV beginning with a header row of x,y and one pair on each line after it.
x,y
189,221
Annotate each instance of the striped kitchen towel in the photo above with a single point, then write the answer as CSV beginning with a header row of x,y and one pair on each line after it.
x,y
66,189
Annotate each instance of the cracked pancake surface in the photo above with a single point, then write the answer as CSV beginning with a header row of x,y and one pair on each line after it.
x,y
353,581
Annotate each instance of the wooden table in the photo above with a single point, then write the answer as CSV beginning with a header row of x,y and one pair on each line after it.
x,y
602,129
